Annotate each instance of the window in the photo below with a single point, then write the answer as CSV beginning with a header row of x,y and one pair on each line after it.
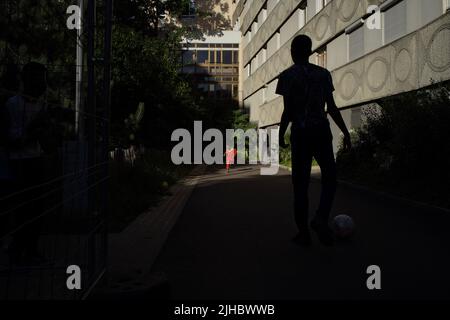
x,y
320,4
356,44
212,57
322,58
227,57
219,57
262,16
261,56
228,70
202,56
235,57
255,27
302,18
395,22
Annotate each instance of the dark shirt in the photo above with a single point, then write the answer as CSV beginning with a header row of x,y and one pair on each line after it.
x,y
305,89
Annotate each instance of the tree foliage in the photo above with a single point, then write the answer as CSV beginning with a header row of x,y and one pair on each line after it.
x,y
145,62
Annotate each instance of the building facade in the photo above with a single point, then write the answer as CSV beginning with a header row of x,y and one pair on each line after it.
x,y
213,62
374,49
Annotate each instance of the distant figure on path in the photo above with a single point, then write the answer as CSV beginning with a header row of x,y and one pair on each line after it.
x,y
306,89
230,154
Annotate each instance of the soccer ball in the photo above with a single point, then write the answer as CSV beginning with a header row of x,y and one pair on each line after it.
x,y
343,226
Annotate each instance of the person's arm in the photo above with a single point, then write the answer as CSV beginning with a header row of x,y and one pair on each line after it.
x,y
335,114
284,123
282,89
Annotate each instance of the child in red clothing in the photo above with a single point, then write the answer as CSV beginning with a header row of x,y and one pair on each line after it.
x,y
230,154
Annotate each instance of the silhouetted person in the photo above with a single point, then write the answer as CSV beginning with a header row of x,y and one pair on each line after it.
x,y
306,89
25,156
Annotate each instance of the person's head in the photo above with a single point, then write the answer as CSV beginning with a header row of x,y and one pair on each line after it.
x,y
34,77
301,48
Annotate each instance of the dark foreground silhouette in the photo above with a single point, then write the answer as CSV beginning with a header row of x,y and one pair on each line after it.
x,y
306,89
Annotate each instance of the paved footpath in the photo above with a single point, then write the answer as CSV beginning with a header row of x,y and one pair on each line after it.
x,y
233,241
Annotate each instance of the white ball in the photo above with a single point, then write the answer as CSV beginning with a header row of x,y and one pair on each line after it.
x,y
343,226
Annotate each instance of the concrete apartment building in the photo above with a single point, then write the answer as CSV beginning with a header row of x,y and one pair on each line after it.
x,y
410,47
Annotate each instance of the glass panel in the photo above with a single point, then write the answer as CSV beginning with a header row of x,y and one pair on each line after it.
x,y
356,44
202,56
219,57
227,70
212,57
227,57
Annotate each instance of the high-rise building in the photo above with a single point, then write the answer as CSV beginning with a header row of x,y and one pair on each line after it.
x,y
374,49
213,63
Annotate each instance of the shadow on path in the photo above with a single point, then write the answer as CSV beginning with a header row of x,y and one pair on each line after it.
x,y
233,241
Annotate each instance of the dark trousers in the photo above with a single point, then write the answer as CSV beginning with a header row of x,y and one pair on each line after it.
x,y
308,143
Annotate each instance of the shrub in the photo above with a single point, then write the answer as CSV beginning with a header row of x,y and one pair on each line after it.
x,y
406,139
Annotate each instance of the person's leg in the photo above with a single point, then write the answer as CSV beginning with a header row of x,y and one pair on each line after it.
x,y
325,158
301,172
323,153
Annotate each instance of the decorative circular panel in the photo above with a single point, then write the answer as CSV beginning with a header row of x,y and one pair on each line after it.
x,y
403,65
438,53
349,84
377,74
346,9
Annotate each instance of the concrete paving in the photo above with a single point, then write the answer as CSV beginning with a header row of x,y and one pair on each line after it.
x,y
233,241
